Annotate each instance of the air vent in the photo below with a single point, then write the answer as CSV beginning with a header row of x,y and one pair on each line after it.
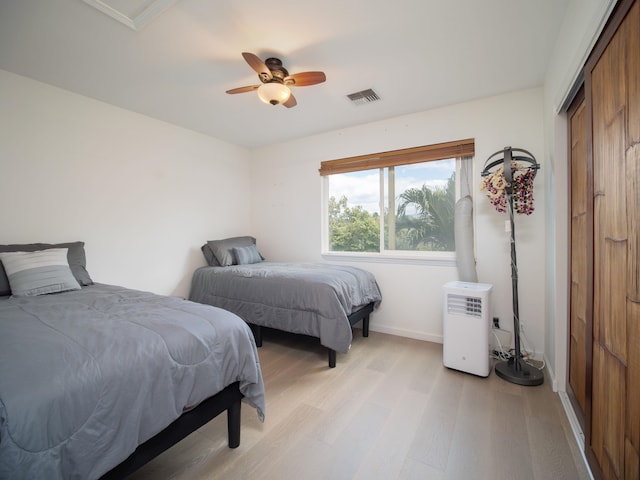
x,y
463,305
365,96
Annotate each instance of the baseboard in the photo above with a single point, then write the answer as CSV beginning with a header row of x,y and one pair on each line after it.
x,y
428,337
400,332
551,374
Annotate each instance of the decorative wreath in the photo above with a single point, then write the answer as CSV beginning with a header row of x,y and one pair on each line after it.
x,y
496,185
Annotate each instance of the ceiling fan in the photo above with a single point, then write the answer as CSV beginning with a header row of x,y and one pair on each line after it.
x,y
276,81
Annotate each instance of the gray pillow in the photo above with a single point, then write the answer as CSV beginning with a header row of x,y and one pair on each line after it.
x,y
246,255
75,256
209,256
223,249
38,273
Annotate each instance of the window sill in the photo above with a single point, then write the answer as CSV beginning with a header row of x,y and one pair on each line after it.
x,y
437,260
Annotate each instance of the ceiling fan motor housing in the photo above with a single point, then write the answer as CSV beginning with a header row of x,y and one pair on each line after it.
x,y
278,72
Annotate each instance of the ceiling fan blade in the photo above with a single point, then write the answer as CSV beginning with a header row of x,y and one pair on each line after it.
x,y
258,65
243,89
304,79
291,102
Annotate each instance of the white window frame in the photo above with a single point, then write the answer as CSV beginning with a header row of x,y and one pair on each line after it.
x,y
464,179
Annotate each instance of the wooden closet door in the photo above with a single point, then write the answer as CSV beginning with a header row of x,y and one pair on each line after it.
x,y
615,101
580,255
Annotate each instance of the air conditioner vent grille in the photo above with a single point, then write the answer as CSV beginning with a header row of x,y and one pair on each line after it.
x,y
364,96
464,305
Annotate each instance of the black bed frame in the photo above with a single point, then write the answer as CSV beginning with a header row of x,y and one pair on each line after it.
x,y
229,399
355,317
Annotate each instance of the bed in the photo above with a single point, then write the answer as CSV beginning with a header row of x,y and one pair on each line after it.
x,y
95,380
316,299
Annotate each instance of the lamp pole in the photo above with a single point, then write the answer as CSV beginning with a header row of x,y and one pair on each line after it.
x,y
516,369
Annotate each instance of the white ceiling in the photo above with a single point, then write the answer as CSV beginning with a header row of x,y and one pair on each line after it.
x,y
416,54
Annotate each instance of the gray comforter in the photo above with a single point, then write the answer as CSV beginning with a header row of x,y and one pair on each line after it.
x,y
308,298
86,376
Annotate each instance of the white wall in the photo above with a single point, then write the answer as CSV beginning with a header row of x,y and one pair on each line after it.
x,y
286,209
144,195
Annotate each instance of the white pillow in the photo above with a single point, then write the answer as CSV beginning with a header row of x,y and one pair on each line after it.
x,y
38,273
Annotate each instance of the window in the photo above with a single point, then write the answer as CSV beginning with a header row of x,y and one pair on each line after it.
x,y
396,203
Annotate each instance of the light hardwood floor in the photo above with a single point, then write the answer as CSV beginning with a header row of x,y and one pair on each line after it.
x,y
389,410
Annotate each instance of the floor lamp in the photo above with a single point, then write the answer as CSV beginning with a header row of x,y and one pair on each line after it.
x,y
515,369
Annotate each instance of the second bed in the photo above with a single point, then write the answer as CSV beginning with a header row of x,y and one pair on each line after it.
x,y
315,299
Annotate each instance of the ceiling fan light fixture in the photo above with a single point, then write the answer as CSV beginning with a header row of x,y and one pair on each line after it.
x,y
274,93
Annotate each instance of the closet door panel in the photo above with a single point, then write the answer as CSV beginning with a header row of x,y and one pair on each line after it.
x,y
579,260
614,97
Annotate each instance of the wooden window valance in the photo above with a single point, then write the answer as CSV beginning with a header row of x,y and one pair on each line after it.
x,y
427,153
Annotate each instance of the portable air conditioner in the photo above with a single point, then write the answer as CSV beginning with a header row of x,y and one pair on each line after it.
x,y
466,325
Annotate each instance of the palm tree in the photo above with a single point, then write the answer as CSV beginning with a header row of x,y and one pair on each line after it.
x,y
432,226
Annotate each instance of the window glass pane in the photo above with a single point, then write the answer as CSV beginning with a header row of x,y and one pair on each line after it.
x,y
418,203
354,212
420,213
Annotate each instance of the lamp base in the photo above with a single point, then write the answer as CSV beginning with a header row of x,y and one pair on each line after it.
x,y
516,370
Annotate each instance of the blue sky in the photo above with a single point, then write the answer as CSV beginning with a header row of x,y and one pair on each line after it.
x,y
361,188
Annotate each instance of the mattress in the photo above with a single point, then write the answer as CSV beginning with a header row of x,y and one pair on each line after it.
x,y
86,376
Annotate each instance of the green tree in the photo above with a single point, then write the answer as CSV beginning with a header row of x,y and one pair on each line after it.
x,y
432,228
352,229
